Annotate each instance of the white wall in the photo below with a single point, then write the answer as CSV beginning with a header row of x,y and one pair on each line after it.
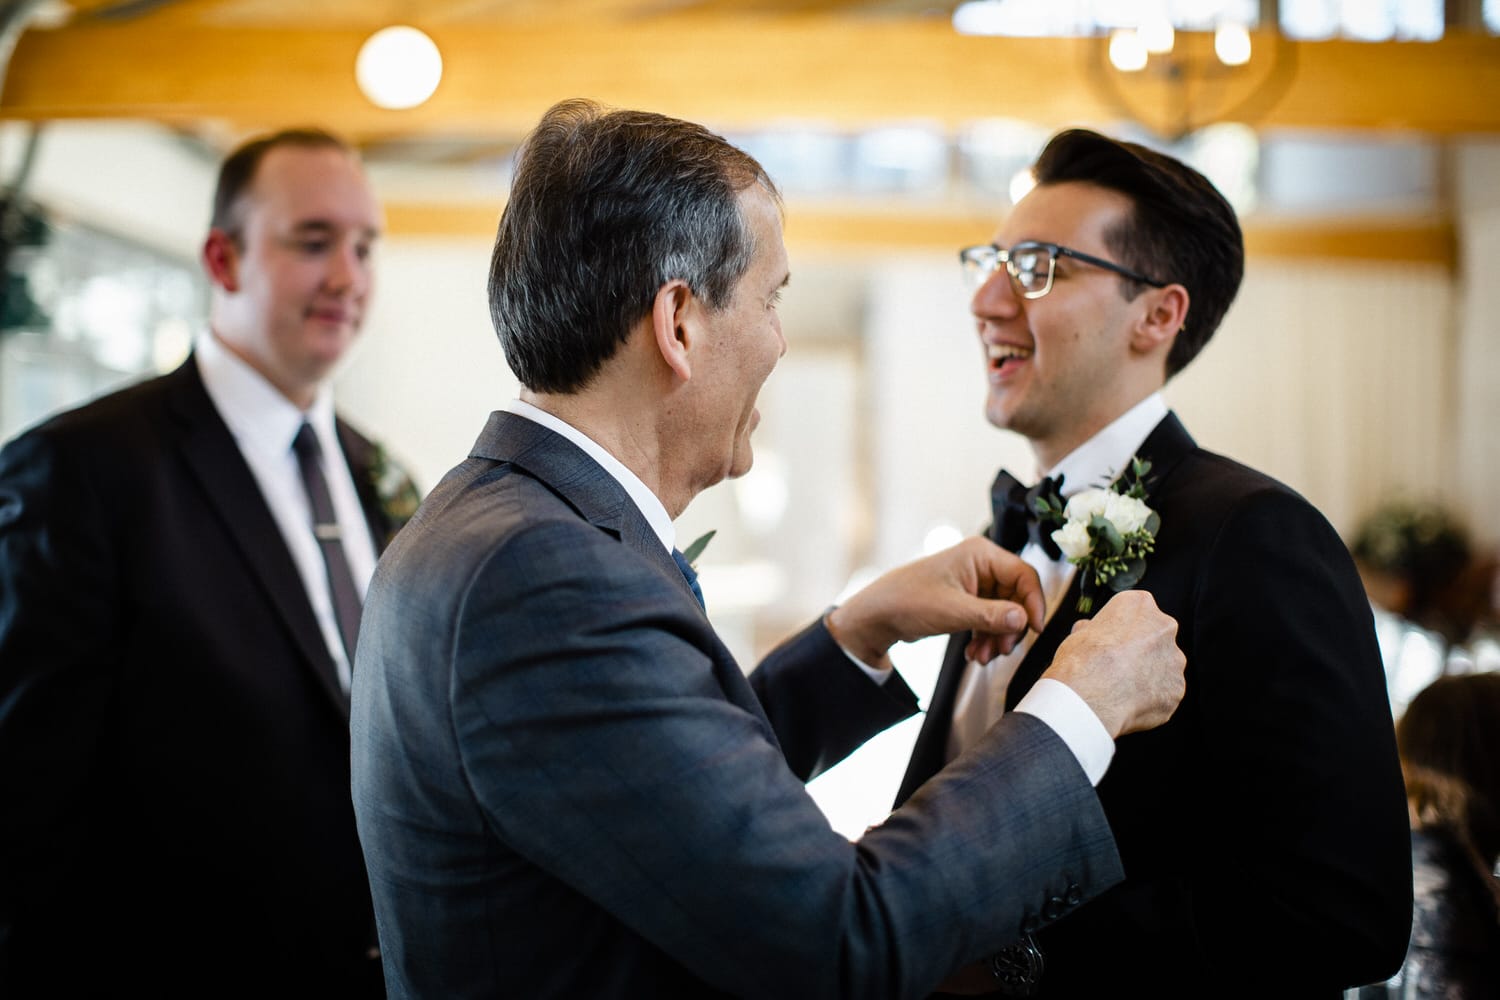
x,y
129,178
428,369
1476,471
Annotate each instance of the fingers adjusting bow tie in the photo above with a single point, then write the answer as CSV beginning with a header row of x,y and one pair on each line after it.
x,y
1015,514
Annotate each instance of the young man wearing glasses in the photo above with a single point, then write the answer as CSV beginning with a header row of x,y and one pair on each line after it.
x,y
1263,829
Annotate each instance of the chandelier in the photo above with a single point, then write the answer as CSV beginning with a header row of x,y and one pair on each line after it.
x,y
1176,82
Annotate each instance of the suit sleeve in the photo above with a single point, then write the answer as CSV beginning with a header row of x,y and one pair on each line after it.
x,y
1313,871
613,761
821,706
57,622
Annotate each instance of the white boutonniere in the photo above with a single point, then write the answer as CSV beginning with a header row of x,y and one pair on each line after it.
x,y
1106,532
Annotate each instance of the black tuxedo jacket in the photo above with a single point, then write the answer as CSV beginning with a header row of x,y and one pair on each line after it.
x,y
1263,828
174,744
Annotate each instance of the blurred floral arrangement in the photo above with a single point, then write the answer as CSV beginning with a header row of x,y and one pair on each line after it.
x,y
1423,553
1406,537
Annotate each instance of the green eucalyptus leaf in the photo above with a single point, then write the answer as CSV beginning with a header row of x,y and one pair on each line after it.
x,y
693,551
1130,575
1104,533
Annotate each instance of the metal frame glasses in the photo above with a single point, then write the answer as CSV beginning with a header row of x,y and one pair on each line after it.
x,y
1031,265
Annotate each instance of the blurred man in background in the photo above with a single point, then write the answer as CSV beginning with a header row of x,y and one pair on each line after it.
x,y
182,566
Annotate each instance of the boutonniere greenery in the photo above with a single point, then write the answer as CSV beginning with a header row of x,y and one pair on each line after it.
x,y
397,495
693,551
1106,532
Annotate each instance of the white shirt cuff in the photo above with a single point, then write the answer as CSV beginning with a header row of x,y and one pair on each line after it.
x,y
1060,707
877,674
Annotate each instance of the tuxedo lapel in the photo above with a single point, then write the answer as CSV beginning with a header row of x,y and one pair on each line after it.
x,y
215,461
930,752
1165,448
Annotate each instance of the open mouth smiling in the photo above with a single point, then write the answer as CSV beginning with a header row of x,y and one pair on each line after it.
x,y
1004,357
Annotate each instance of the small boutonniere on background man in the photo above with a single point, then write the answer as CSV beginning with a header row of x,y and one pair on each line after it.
x,y
1106,532
395,491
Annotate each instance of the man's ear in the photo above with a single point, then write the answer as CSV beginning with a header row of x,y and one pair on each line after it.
x,y
1166,311
221,259
671,315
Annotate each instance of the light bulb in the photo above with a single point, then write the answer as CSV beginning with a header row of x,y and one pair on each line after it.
x,y
1232,44
1157,36
398,67
1126,51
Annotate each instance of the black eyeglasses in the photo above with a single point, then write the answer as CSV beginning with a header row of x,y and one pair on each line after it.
x,y
1031,264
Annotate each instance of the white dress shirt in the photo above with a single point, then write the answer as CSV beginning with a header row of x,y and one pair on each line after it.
x,y
981,694
263,423
1053,702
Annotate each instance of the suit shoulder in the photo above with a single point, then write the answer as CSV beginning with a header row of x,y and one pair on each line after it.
x,y
106,416
1210,481
113,433
486,514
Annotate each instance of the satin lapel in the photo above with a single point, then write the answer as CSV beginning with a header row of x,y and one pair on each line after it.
x,y
230,489
1165,448
930,751
575,477
359,454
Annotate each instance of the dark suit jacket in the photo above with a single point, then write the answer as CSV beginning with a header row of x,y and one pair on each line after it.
x,y
1263,828
173,740
566,786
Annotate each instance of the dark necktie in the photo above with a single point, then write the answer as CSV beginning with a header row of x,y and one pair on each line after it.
x,y
691,575
1014,508
346,602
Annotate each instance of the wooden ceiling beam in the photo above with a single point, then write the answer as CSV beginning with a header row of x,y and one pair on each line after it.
x,y
734,73
815,228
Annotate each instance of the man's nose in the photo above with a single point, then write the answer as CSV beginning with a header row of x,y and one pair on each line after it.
x,y
349,270
996,296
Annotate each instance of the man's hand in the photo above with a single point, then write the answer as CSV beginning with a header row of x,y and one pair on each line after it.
x,y
975,585
1125,663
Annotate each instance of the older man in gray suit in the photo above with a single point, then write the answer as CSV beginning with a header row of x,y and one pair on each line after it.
x,y
564,784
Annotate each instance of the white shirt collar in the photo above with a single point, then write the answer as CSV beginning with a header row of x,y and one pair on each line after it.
x,y
1101,459
257,414
647,502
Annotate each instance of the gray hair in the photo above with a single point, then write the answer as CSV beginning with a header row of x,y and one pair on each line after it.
x,y
605,208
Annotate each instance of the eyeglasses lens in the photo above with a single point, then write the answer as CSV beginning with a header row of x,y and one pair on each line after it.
x,y
1030,266
979,263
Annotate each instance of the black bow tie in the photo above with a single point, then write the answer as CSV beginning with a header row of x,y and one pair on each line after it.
x,y
1016,522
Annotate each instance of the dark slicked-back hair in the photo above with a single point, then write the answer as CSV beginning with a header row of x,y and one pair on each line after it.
x,y
237,172
1182,229
605,208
